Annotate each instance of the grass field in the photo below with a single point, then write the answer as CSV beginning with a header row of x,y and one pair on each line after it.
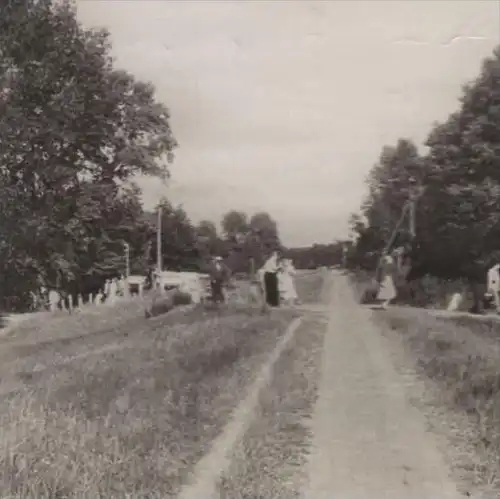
x,y
461,358
105,408
104,403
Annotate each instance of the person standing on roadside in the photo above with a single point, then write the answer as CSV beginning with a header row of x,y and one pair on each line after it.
x,y
269,276
219,274
387,291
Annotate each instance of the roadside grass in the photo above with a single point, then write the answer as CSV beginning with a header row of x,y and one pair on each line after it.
x,y
461,357
270,460
425,292
91,319
309,286
123,406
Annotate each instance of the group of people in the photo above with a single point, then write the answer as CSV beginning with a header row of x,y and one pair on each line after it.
x,y
275,280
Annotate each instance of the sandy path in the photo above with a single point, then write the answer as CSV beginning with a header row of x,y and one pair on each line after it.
x,y
368,440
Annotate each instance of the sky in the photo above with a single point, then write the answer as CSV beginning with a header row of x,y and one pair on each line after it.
x,y
284,106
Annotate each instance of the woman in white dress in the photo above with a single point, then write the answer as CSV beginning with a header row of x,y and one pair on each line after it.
x,y
287,284
387,290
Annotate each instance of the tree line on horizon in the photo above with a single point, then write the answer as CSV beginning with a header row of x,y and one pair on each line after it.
x,y
458,212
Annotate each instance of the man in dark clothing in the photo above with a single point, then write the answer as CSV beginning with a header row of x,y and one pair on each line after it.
x,y
219,274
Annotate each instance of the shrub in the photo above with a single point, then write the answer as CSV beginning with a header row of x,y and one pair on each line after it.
x,y
160,305
181,298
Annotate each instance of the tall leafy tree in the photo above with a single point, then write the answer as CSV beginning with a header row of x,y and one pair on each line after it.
x,y
72,129
458,229
459,216
234,223
389,184
209,242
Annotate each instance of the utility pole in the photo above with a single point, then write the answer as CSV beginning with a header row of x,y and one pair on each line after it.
x,y
158,242
412,211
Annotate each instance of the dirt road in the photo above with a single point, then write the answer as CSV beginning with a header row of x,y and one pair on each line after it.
x,y
368,441
335,421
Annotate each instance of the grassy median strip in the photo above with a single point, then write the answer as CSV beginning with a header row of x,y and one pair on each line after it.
x,y
270,460
133,414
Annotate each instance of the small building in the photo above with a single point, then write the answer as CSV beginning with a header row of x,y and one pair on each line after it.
x,y
136,284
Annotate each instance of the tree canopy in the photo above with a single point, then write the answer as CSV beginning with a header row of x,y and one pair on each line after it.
x,y
74,131
457,216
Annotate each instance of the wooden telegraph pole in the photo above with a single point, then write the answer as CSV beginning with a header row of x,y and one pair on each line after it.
x,y
158,242
409,210
158,249
414,194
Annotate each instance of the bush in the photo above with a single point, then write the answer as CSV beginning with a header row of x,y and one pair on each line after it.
x,y
181,298
160,305
426,292
430,291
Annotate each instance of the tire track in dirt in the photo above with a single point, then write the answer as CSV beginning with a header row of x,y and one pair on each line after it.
x,y
270,459
265,457
217,461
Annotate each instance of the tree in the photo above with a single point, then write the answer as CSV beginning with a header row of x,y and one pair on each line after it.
x,y
249,240
209,242
458,229
179,240
317,255
389,185
73,129
233,223
266,230
460,215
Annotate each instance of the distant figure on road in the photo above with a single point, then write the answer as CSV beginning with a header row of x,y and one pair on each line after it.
x,y
219,274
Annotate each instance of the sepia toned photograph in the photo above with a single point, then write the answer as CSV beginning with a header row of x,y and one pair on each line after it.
x,y
249,249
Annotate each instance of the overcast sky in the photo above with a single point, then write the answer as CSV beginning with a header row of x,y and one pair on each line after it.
x,y
283,106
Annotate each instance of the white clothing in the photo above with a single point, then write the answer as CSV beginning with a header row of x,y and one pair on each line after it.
x,y
493,287
387,288
54,299
112,292
98,299
287,284
271,264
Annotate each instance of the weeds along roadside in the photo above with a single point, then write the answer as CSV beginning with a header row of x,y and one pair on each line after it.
x,y
136,419
462,358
